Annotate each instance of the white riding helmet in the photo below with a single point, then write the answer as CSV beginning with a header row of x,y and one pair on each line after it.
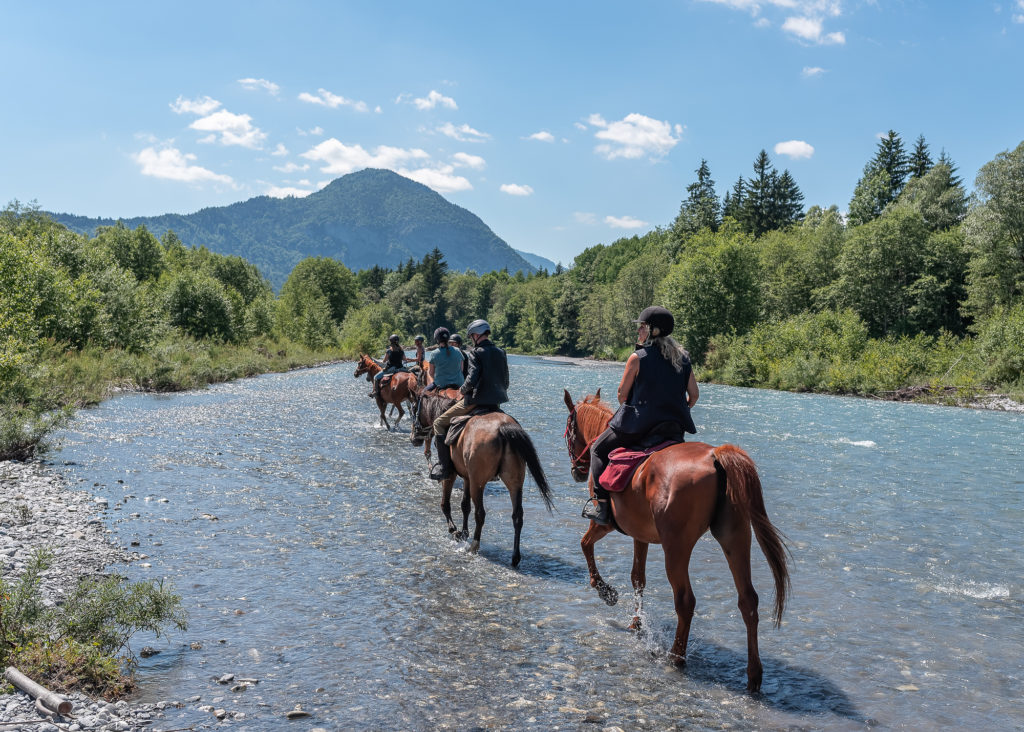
x,y
478,327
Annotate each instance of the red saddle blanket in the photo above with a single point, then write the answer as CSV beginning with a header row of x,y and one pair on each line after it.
x,y
623,462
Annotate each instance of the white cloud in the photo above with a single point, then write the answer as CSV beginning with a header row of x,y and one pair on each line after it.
x,y
280,149
234,129
441,179
434,99
291,167
315,131
582,217
171,164
326,99
624,222
794,149
462,133
514,189
257,84
811,30
201,107
805,17
340,159
634,136
812,71
542,136
465,160
285,191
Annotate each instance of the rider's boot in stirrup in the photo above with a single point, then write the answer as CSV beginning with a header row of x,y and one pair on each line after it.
x,y
597,507
443,468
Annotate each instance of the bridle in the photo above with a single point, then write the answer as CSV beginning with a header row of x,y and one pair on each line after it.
x,y
578,463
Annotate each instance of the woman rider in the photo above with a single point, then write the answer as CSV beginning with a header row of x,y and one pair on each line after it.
x,y
655,395
394,359
444,364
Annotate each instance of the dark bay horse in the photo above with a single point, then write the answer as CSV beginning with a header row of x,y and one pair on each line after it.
x,y
491,446
674,498
400,388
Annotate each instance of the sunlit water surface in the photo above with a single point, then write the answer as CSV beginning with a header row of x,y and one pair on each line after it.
x,y
311,554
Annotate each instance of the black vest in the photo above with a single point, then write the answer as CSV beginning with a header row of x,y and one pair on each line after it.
x,y
393,358
658,395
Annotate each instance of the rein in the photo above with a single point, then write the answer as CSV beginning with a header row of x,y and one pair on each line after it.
x,y
579,462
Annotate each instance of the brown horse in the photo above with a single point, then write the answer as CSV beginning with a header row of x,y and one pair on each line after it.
x,y
491,446
673,499
401,387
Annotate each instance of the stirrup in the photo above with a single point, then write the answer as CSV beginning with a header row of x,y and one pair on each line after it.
x,y
597,510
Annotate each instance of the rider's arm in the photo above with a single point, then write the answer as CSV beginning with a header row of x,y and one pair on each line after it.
x,y
628,377
692,392
430,372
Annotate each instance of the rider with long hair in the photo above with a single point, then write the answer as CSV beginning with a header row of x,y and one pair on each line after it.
x,y
444,363
655,395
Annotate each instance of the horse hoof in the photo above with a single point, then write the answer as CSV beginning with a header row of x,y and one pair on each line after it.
x,y
607,593
636,625
474,547
677,660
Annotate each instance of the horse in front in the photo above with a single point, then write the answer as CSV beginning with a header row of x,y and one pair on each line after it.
x,y
394,389
673,498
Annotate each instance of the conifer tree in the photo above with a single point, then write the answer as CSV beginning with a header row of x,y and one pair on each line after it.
x,y
787,201
920,160
732,204
755,213
701,208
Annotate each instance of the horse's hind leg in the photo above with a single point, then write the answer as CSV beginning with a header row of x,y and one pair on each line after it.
x,y
516,493
732,530
639,579
466,502
476,491
594,534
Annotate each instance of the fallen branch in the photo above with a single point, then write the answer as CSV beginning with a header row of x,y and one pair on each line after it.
x,y
51,701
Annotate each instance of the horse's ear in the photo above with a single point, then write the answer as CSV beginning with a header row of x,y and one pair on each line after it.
x,y
597,396
568,400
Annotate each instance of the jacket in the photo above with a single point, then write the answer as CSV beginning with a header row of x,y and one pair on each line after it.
x,y
658,396
487,376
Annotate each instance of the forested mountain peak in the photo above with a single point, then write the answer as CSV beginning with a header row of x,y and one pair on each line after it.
x,y
370,217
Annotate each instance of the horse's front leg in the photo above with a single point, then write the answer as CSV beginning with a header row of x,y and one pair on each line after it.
x,y
466,500
639,579
401,413
479,514
382,406
594,534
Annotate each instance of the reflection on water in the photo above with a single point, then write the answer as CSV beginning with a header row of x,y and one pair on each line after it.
x,y
312,555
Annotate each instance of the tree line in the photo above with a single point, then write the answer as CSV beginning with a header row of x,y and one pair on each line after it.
x,y
918,284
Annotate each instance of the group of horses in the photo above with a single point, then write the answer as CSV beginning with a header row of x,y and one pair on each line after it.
x,y
674,498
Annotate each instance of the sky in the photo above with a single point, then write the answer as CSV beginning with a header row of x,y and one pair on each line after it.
x,y
560,124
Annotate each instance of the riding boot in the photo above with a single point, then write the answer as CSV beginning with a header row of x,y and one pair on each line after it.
x,y
443,467
597,507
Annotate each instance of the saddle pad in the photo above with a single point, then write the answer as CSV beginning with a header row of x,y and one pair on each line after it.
x,y
459,423
623,462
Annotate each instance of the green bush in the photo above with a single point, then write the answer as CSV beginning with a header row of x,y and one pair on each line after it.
x,y
1000,344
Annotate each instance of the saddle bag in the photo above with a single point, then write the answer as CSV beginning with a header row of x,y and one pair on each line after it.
x,y
623,462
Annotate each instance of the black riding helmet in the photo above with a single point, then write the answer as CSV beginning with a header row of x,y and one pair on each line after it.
x,y
658,317
393,338
456,339
441,335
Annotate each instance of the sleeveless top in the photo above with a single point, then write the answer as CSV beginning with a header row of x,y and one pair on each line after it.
x,y
447,362
658,395
393,358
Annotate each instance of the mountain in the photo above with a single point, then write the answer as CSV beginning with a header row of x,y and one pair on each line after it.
x,y
372,217
537,261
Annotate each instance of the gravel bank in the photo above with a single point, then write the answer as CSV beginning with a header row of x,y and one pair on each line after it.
x,y
39,510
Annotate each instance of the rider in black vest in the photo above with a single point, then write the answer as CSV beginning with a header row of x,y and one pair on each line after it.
x,y
655,396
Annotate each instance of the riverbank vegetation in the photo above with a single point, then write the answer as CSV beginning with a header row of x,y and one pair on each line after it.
x,y
918,288
82,642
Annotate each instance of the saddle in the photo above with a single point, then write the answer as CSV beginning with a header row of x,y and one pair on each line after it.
x,y
459,423
386,378
623,462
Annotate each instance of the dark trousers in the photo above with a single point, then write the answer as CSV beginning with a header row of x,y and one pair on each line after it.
x,y
603,445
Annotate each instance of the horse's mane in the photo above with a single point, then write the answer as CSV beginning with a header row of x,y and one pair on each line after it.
x,y
593,415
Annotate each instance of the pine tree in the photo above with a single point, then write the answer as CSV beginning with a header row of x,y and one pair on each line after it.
x,y
700,209
883,180
920,160
732,204
787,201
954,179
756,211
892,158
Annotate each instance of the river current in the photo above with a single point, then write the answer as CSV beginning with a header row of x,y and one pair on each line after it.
x,y
311,554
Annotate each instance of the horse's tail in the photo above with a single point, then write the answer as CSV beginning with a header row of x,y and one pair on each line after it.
x,y
513,435
743,488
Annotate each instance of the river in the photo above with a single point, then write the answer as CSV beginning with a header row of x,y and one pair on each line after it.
x,y
311,553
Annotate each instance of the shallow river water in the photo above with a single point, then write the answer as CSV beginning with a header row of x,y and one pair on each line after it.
x,y
311,553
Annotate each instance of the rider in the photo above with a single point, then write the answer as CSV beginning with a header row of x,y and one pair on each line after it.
x,y
486,384
420,356
456,340
394,360
655,395
445,363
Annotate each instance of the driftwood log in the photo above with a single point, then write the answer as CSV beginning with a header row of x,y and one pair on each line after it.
x,y
53,702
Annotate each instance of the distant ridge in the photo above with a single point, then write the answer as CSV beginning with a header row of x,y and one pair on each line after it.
x,y
536,260
371,217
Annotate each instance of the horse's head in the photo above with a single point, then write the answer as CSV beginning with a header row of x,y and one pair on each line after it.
x,y
365,366
587,419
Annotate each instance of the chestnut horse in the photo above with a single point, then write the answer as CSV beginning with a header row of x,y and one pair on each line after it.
x,y
673,499
491,446
400,388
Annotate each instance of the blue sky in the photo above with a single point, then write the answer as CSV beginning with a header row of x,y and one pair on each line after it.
x,y
561,124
